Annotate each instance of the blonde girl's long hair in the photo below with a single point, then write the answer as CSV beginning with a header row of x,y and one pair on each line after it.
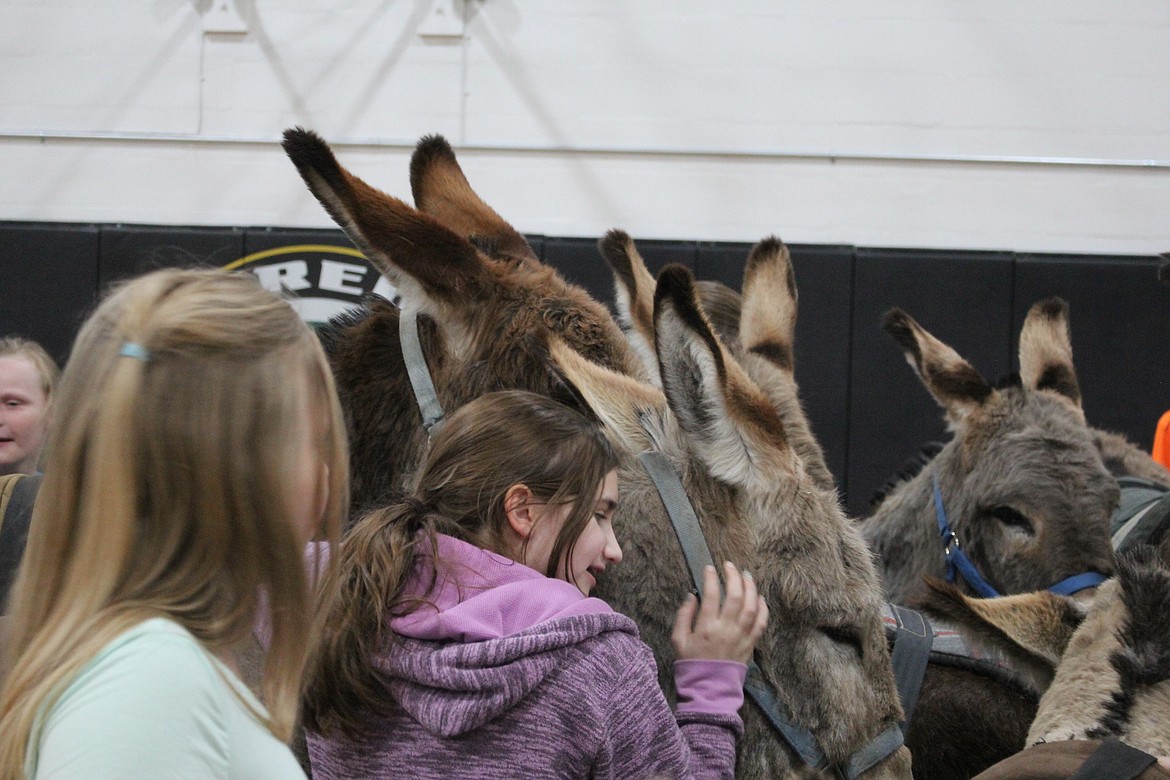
x,y
167,489
490,444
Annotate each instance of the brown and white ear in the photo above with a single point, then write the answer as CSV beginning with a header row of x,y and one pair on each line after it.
x,y
1046,361
953,382
1030,629
633,296
767,324
631,411
767,337
422,258
730,423
441,190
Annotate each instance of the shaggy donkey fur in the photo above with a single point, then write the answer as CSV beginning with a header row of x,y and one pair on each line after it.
x,y
491,312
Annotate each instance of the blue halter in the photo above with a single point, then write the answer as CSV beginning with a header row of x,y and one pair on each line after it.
x,y
958,564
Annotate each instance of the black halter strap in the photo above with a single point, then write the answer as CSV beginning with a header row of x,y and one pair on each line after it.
x,y
1114,760
913,641
697,554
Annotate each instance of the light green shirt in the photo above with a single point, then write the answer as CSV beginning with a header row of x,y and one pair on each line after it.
x,y
154,703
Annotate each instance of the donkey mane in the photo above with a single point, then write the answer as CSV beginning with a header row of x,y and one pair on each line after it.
x,y
1143,658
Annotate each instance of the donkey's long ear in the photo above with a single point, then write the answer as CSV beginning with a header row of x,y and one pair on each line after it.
x,y
767,330
953,382
730,423
441,189
1046,350
623,404
633,296
767,324
1031,629
413,250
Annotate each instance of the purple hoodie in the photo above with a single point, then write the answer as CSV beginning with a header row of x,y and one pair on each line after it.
x,y
513,674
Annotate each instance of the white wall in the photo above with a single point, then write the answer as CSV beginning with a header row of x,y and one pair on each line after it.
x,y
1041,125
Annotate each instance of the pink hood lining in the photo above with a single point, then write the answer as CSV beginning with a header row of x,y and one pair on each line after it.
x,y
479,595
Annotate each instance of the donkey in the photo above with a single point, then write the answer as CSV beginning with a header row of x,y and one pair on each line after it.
x,y
1103,669
950,734
1021,485
813,566
492,316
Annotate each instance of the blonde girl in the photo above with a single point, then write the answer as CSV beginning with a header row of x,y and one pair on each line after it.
x,y
197,446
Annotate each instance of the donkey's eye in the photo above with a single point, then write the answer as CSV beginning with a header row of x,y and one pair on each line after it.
x,y
844,635
1011,518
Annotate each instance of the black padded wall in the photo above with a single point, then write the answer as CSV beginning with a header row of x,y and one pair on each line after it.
x,y
537,244
1119,320
824,283
48,281
257,239
865,404
722,261
659,254
962,298
130,250
578,260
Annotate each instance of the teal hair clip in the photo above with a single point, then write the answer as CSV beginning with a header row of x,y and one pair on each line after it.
x,y
136,351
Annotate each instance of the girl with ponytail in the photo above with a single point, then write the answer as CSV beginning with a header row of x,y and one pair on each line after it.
x,y
197,447
460,641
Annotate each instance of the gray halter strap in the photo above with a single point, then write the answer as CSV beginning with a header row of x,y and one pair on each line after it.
x,y
697,555
416,370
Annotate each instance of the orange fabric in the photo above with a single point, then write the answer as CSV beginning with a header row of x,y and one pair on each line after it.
x,y
1161,452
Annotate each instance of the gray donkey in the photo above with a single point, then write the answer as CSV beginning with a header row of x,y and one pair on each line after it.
x,y
825,646
1021,485
951,733
492,317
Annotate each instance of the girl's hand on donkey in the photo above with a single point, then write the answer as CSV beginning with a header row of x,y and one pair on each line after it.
x,y
721,632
